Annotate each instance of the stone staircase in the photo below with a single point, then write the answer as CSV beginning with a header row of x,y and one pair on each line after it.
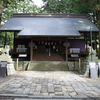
x,y
48,66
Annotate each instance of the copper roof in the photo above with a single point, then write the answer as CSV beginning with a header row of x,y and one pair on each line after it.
x,y
49,24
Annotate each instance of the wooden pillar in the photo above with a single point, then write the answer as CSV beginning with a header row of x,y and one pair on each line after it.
x,y
17,65
79,65
49,50
14,42
66,49
31,50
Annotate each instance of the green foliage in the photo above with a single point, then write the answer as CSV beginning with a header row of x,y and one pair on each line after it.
x,y
55,6
97,52
69,6
15,6
10,38
2,39
97,6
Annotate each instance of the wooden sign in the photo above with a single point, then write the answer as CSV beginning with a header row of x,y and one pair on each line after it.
x,y
22,55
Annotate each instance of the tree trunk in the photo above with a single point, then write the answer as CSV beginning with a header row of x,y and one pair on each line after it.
x,y
99,31
98,16
1,4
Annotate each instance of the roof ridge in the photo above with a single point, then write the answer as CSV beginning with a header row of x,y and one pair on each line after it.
x,y
50,15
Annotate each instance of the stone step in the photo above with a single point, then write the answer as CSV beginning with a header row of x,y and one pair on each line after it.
x,y
48,66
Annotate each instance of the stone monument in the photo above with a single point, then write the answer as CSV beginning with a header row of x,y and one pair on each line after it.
x,y
6,57
88,59
94,57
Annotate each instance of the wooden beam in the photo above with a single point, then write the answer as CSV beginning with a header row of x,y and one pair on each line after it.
x,y
49,15
66,49
31,50
49,38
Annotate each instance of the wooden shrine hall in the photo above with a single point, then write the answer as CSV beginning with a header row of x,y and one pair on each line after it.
x,y
49,37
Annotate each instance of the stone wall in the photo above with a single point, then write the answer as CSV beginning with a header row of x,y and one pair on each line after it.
x,y
22,65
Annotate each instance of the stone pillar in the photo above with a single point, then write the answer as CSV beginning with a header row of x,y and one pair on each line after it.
x,y
10,68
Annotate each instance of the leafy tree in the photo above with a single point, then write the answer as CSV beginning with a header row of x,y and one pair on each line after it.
x,y
75,7
69,6
1,3
55,6
72,6
2,39
19,7
1,35
16,6
98,18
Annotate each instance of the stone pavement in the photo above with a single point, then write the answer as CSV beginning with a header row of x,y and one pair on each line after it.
x,y
49,85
